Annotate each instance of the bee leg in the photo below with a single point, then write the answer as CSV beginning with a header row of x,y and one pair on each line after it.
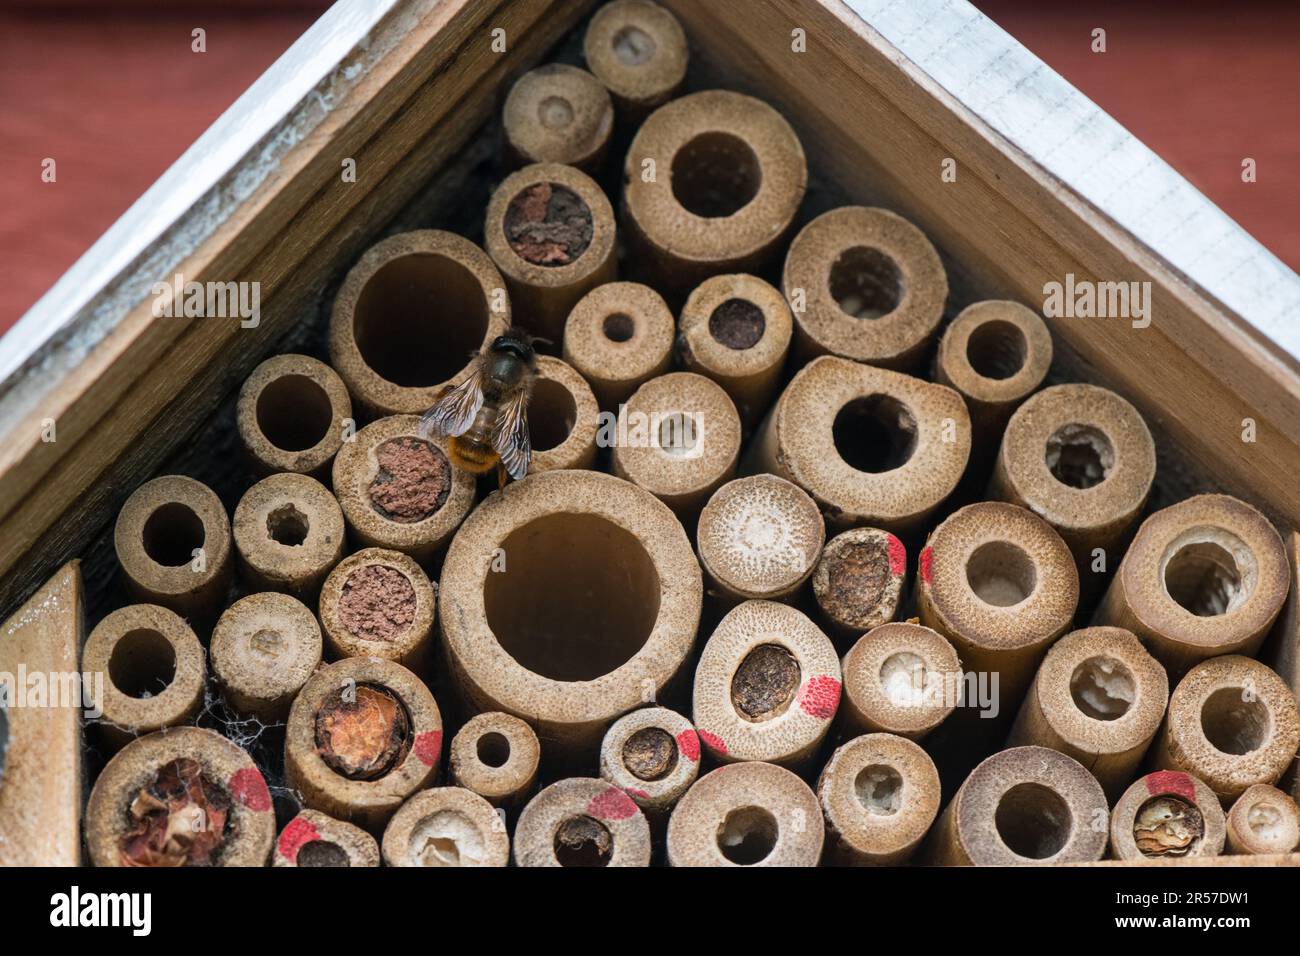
x,y
501,475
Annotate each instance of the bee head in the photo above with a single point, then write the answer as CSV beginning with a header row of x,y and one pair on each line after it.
x,y
518,343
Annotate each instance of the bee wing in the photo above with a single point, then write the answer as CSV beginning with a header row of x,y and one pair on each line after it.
x,y
510,435
456,407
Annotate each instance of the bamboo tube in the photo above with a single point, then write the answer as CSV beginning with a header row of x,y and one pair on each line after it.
x,y
173,542
1263,820
446,827
581,822
288,533
759,537
873,447
568,644
1000,584
398,490
682,441
557,113
186,797
363,735
1099,697
153,670
562,418
864,284
407,316
1167,816
291,415
496,755
1082,459
736,329
639,51
1232,723
1025,805
313,839
749,814
550,230
713,182
879,794
618,337
652,755
1206,576
996,354
1282,652
379,603
766,687
858,582
901,679
264,648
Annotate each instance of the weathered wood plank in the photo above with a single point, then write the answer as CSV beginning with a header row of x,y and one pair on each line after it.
x,y
40,767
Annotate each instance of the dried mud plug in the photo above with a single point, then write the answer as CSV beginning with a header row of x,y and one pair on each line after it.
x,y
581,822
736,330
184,797
858,581
653,755
379,603
313,839
398,489
766,687
446,827
363,735
1025,805
550,230
747,814
1167,815
879,794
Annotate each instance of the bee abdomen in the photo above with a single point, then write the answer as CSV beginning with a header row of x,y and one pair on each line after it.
x,y
471,457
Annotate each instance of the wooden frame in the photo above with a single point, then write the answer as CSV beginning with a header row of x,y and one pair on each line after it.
x,y
1046,185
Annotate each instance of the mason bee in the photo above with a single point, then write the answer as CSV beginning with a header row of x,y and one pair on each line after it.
x,y
486,416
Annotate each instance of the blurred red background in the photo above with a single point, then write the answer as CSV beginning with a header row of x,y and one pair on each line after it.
x,y
116,95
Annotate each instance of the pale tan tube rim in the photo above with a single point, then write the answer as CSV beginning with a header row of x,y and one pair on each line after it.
x,y
488,667
669,225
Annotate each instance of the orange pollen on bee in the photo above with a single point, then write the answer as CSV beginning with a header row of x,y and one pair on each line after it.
x,y
473,458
